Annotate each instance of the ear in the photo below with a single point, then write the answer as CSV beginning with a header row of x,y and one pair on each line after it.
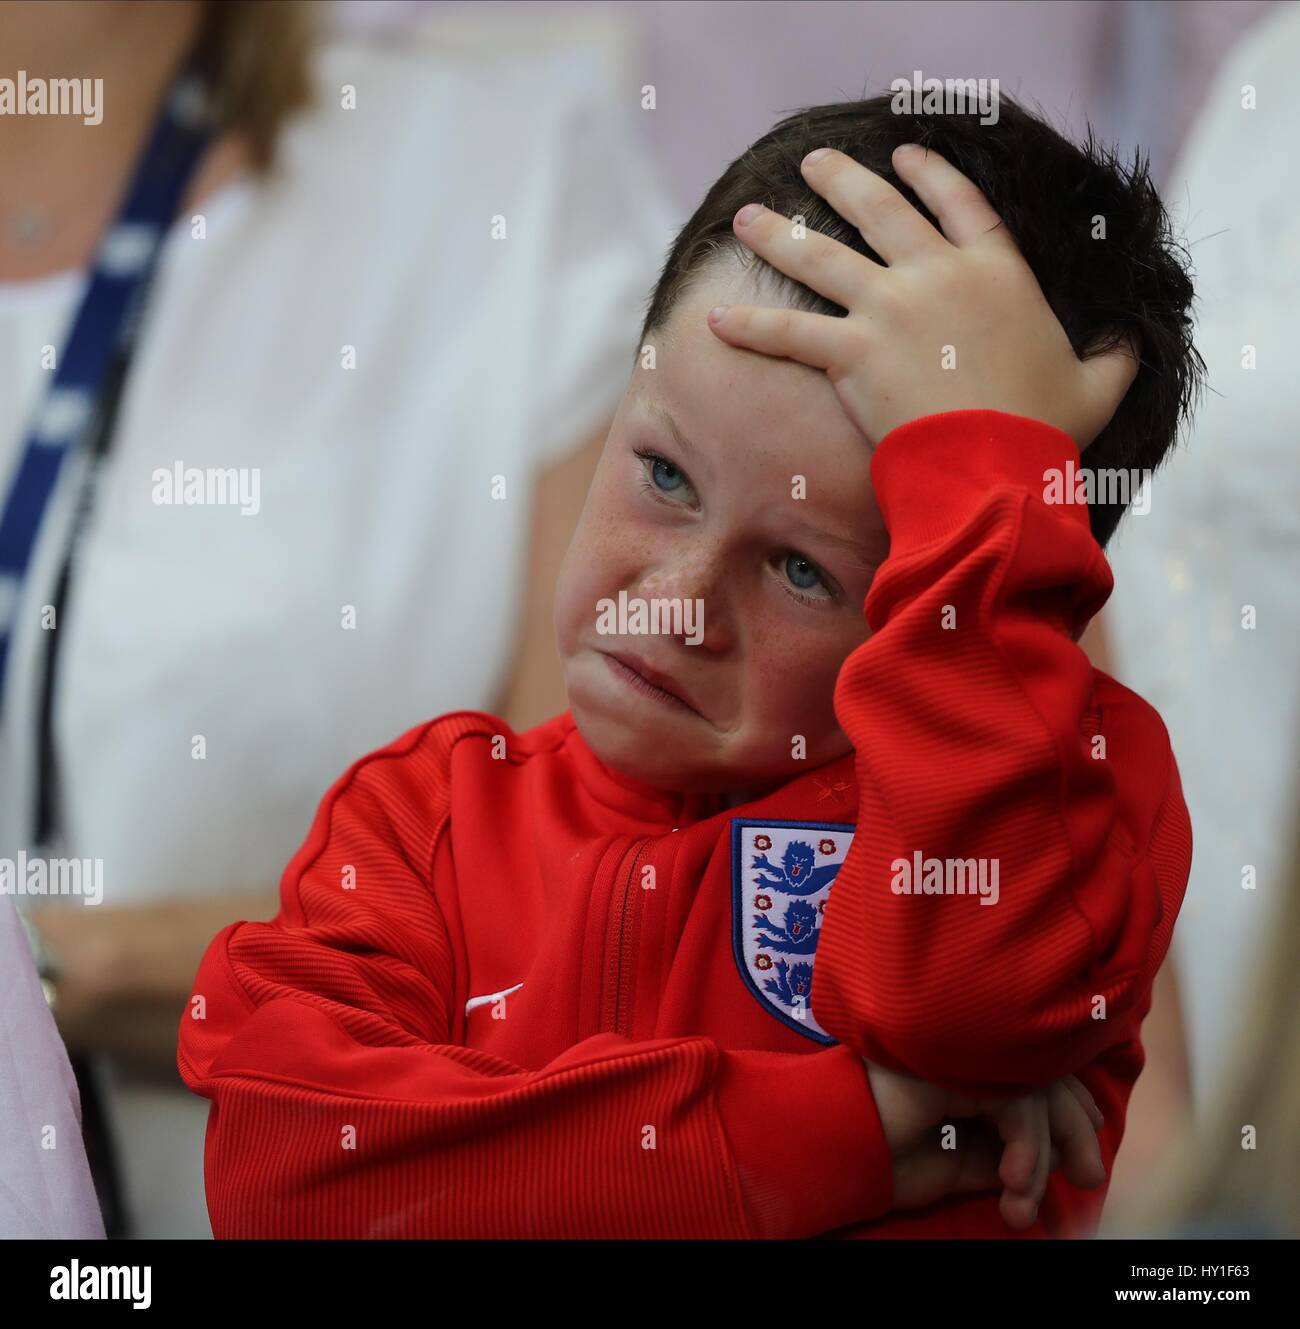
x,y
1111,374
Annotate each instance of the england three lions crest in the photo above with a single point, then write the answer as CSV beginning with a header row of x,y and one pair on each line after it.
x,y
781,875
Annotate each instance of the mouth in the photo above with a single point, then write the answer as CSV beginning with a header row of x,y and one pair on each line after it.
x,y
650,682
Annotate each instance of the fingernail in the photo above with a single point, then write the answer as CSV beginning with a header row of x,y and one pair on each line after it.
x,y
814,156
748,213
716,313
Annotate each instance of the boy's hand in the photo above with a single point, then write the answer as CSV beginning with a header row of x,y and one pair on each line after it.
x,y
969,300
1038,1132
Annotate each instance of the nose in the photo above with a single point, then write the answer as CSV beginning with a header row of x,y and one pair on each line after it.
x,y
695,578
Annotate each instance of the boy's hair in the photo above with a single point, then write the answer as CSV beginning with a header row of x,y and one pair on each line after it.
x,y
1047,190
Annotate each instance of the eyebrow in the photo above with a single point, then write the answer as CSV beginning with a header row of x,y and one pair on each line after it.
x,y
855,547
664,416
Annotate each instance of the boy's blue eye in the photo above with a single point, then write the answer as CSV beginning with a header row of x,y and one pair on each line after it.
x,y
797,568
666,475
803,575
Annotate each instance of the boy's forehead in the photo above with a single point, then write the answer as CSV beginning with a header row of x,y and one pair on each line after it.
x,y
722,403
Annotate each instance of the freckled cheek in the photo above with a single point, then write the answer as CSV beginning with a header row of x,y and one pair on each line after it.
x,y
606,554
791,674
619,547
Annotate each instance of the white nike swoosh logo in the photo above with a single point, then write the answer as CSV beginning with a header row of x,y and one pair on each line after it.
x,y
475,1002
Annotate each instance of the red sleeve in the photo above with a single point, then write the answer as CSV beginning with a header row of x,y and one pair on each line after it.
x,y
972,713
341,1109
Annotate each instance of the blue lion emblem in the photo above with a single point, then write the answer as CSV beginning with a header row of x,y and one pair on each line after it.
x,y
793,983
798,873
798,934
782,874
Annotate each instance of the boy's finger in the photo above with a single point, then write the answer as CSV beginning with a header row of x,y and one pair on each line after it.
x,y
967,217
1043,1169
1022,1124
1019,1205
820,262
976,1165
1018,1210
888,222
791,334
1073,1131
1081,1091
1013,1120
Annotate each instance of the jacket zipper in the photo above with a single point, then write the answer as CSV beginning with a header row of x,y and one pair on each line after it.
x,y
621,945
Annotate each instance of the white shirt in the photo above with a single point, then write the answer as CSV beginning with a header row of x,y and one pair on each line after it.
x,y
1223,533
475,357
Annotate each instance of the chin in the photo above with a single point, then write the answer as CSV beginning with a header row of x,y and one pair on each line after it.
x,y
627,747
668,749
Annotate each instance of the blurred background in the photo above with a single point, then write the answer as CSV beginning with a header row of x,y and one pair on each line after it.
x,y
548,97
1137,69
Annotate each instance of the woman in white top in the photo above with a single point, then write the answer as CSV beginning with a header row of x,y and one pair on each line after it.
x,y
412,330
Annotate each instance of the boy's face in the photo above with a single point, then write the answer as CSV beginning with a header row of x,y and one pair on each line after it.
x,y
718,524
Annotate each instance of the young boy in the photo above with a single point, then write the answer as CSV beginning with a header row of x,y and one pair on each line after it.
x,y
799,909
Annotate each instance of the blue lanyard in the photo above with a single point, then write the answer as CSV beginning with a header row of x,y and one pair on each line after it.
x,y
78,410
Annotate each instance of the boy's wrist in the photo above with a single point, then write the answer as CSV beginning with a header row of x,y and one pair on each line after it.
x,y
932,474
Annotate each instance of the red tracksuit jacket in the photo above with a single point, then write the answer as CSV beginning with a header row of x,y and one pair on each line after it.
x,y
511,993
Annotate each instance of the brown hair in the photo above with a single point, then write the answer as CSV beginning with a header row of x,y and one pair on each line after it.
x,y
257,55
